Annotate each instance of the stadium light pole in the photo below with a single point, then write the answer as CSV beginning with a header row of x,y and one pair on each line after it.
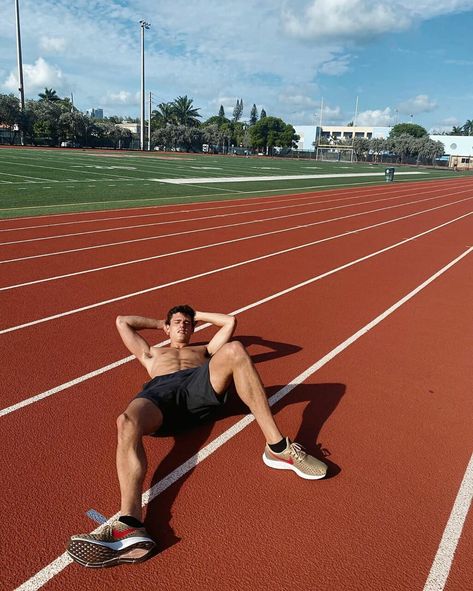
x,y
20,63
144,25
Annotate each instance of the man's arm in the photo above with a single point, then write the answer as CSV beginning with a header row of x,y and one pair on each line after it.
x,y
128,327
227,326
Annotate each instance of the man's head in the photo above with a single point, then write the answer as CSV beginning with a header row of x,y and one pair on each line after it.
x,y
179,324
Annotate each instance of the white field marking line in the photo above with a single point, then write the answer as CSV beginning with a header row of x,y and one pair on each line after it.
x,y
24,176
182,233
57,565
269,193
443,560
104,369
219,270
225,215
291,177
69,171
290,200
231,241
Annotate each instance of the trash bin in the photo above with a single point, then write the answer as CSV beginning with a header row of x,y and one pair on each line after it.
x,y
389,175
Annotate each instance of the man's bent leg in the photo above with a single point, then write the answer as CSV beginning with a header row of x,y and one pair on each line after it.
x,y
232,363
141,417
126,539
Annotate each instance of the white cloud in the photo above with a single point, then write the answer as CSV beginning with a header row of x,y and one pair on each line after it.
x,y
418,104
332,116
52,44
120,98
298,100
36,76
376,118
344,21
336,67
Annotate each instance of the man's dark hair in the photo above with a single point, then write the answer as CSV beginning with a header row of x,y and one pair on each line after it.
x,y
183,309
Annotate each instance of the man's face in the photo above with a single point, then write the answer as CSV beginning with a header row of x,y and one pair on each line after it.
x,y
180,328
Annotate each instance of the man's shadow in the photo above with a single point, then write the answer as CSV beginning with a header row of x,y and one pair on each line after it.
x,y
169,476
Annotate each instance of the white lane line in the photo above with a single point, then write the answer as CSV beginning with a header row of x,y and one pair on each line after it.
x,y
56,566
297,195
181,198
221,215
283,292
197,230
443,560
289,177
232,214
243,238
207,273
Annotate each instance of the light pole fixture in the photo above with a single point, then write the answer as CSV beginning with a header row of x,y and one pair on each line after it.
x,y
144,25
21,89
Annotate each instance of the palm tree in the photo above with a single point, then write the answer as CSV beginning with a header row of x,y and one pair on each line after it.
x,y
49,95
163,115
184,112
468,127
457,130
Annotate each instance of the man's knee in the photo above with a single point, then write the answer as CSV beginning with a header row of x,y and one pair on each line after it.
x,y
234,351
127,426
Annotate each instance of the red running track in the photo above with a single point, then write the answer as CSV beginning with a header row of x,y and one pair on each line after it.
x,y
391,412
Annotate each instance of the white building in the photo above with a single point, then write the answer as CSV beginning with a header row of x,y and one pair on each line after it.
x,y
329,133
458,148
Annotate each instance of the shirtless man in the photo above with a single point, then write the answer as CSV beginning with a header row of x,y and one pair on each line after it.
x,y
188,384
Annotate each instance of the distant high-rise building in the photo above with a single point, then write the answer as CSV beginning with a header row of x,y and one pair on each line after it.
x,y
95,113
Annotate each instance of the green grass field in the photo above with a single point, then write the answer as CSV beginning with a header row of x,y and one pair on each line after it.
x,y
38,181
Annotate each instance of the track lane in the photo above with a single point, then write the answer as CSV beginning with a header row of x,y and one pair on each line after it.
x,y
36,267
14,249
345,426
44,300
12,223
89,322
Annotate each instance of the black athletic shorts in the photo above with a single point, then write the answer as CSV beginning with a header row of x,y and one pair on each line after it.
x,y
185,397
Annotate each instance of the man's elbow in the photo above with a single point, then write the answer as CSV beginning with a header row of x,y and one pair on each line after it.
x,y
232,322
120,322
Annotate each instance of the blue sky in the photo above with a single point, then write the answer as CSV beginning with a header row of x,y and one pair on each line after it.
x,y
404,60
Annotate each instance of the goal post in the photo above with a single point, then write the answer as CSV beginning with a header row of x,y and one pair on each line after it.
x,y
335,153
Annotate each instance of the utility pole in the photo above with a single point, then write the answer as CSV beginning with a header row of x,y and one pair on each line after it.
x,y
20,64
144,25
149,124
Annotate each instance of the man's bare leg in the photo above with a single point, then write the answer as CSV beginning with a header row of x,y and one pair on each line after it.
x,y
142,417
232,363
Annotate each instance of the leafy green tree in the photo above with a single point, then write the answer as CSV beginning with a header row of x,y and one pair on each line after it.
x,y
411,129
10,114
221,112
46,126
179,137
49,95
75,126
253,115
270,132
361,147
185,113
377,147
217,120
262,114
